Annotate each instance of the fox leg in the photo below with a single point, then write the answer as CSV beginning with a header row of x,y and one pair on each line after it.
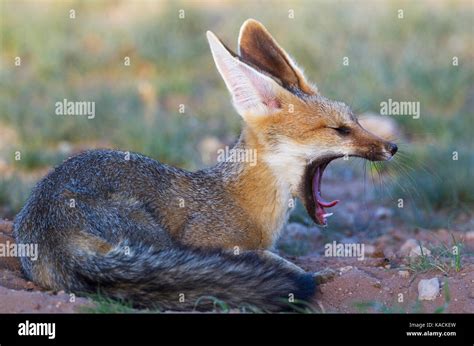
x,y
285,262
323,276
320,277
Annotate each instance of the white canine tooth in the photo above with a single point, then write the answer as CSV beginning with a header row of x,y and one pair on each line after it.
x,y
327,214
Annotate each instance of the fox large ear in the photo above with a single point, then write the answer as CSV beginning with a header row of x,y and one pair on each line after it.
x,y
258,47
253,93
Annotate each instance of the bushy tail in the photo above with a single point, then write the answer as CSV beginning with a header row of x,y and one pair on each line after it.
x,y
178,278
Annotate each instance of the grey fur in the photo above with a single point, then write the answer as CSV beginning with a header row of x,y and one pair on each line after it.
x,y
131,208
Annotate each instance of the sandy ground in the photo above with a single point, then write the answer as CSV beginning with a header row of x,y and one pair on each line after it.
x,y
379,280
382,282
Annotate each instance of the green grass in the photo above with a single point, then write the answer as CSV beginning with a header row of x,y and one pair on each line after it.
x,y
137,106
435,189
13,193
105,305
447,299
443,257
441,182
456,253
379,307
35,158
220,306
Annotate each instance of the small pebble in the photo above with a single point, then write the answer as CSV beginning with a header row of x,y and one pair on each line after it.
x,y
404,274
428,289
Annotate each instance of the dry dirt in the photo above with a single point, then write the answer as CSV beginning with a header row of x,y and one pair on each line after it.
x,y
375,283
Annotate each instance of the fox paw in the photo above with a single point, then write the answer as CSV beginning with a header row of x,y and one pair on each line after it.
x,y
323,276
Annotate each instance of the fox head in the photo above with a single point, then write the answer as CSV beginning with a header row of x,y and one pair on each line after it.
x,y
299,130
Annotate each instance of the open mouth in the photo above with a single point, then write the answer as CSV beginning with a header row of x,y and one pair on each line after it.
x,y
314,202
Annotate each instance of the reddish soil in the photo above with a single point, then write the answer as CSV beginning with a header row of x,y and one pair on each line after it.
x,y
376,280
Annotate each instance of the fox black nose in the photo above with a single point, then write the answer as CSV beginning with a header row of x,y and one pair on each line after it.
x,y
392,147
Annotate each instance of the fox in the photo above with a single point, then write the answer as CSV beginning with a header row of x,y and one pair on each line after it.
x,y
134,229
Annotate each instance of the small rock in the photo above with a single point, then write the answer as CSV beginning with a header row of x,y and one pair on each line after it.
x,y
404,274
428,289
345,269
408,245
381,262
469,235
419,251
30,285
377,284
412,248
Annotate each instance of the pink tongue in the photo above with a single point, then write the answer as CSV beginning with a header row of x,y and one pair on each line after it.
x,y
321,203
325,204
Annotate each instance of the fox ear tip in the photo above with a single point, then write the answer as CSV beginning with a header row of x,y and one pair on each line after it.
x,y
251,21
250,24
213,40
210,34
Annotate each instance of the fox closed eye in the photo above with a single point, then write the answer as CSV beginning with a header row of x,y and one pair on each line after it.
x,y
342,130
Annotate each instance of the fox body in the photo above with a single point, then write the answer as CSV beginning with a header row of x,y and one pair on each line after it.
x,y
136,229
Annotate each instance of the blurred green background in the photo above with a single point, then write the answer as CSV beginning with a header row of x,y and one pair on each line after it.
x,y
137,106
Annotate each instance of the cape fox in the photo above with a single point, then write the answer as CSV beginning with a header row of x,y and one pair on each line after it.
x,y
136,229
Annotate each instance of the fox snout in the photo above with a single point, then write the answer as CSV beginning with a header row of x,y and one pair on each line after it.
x,y
376,148
392,148
386,153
